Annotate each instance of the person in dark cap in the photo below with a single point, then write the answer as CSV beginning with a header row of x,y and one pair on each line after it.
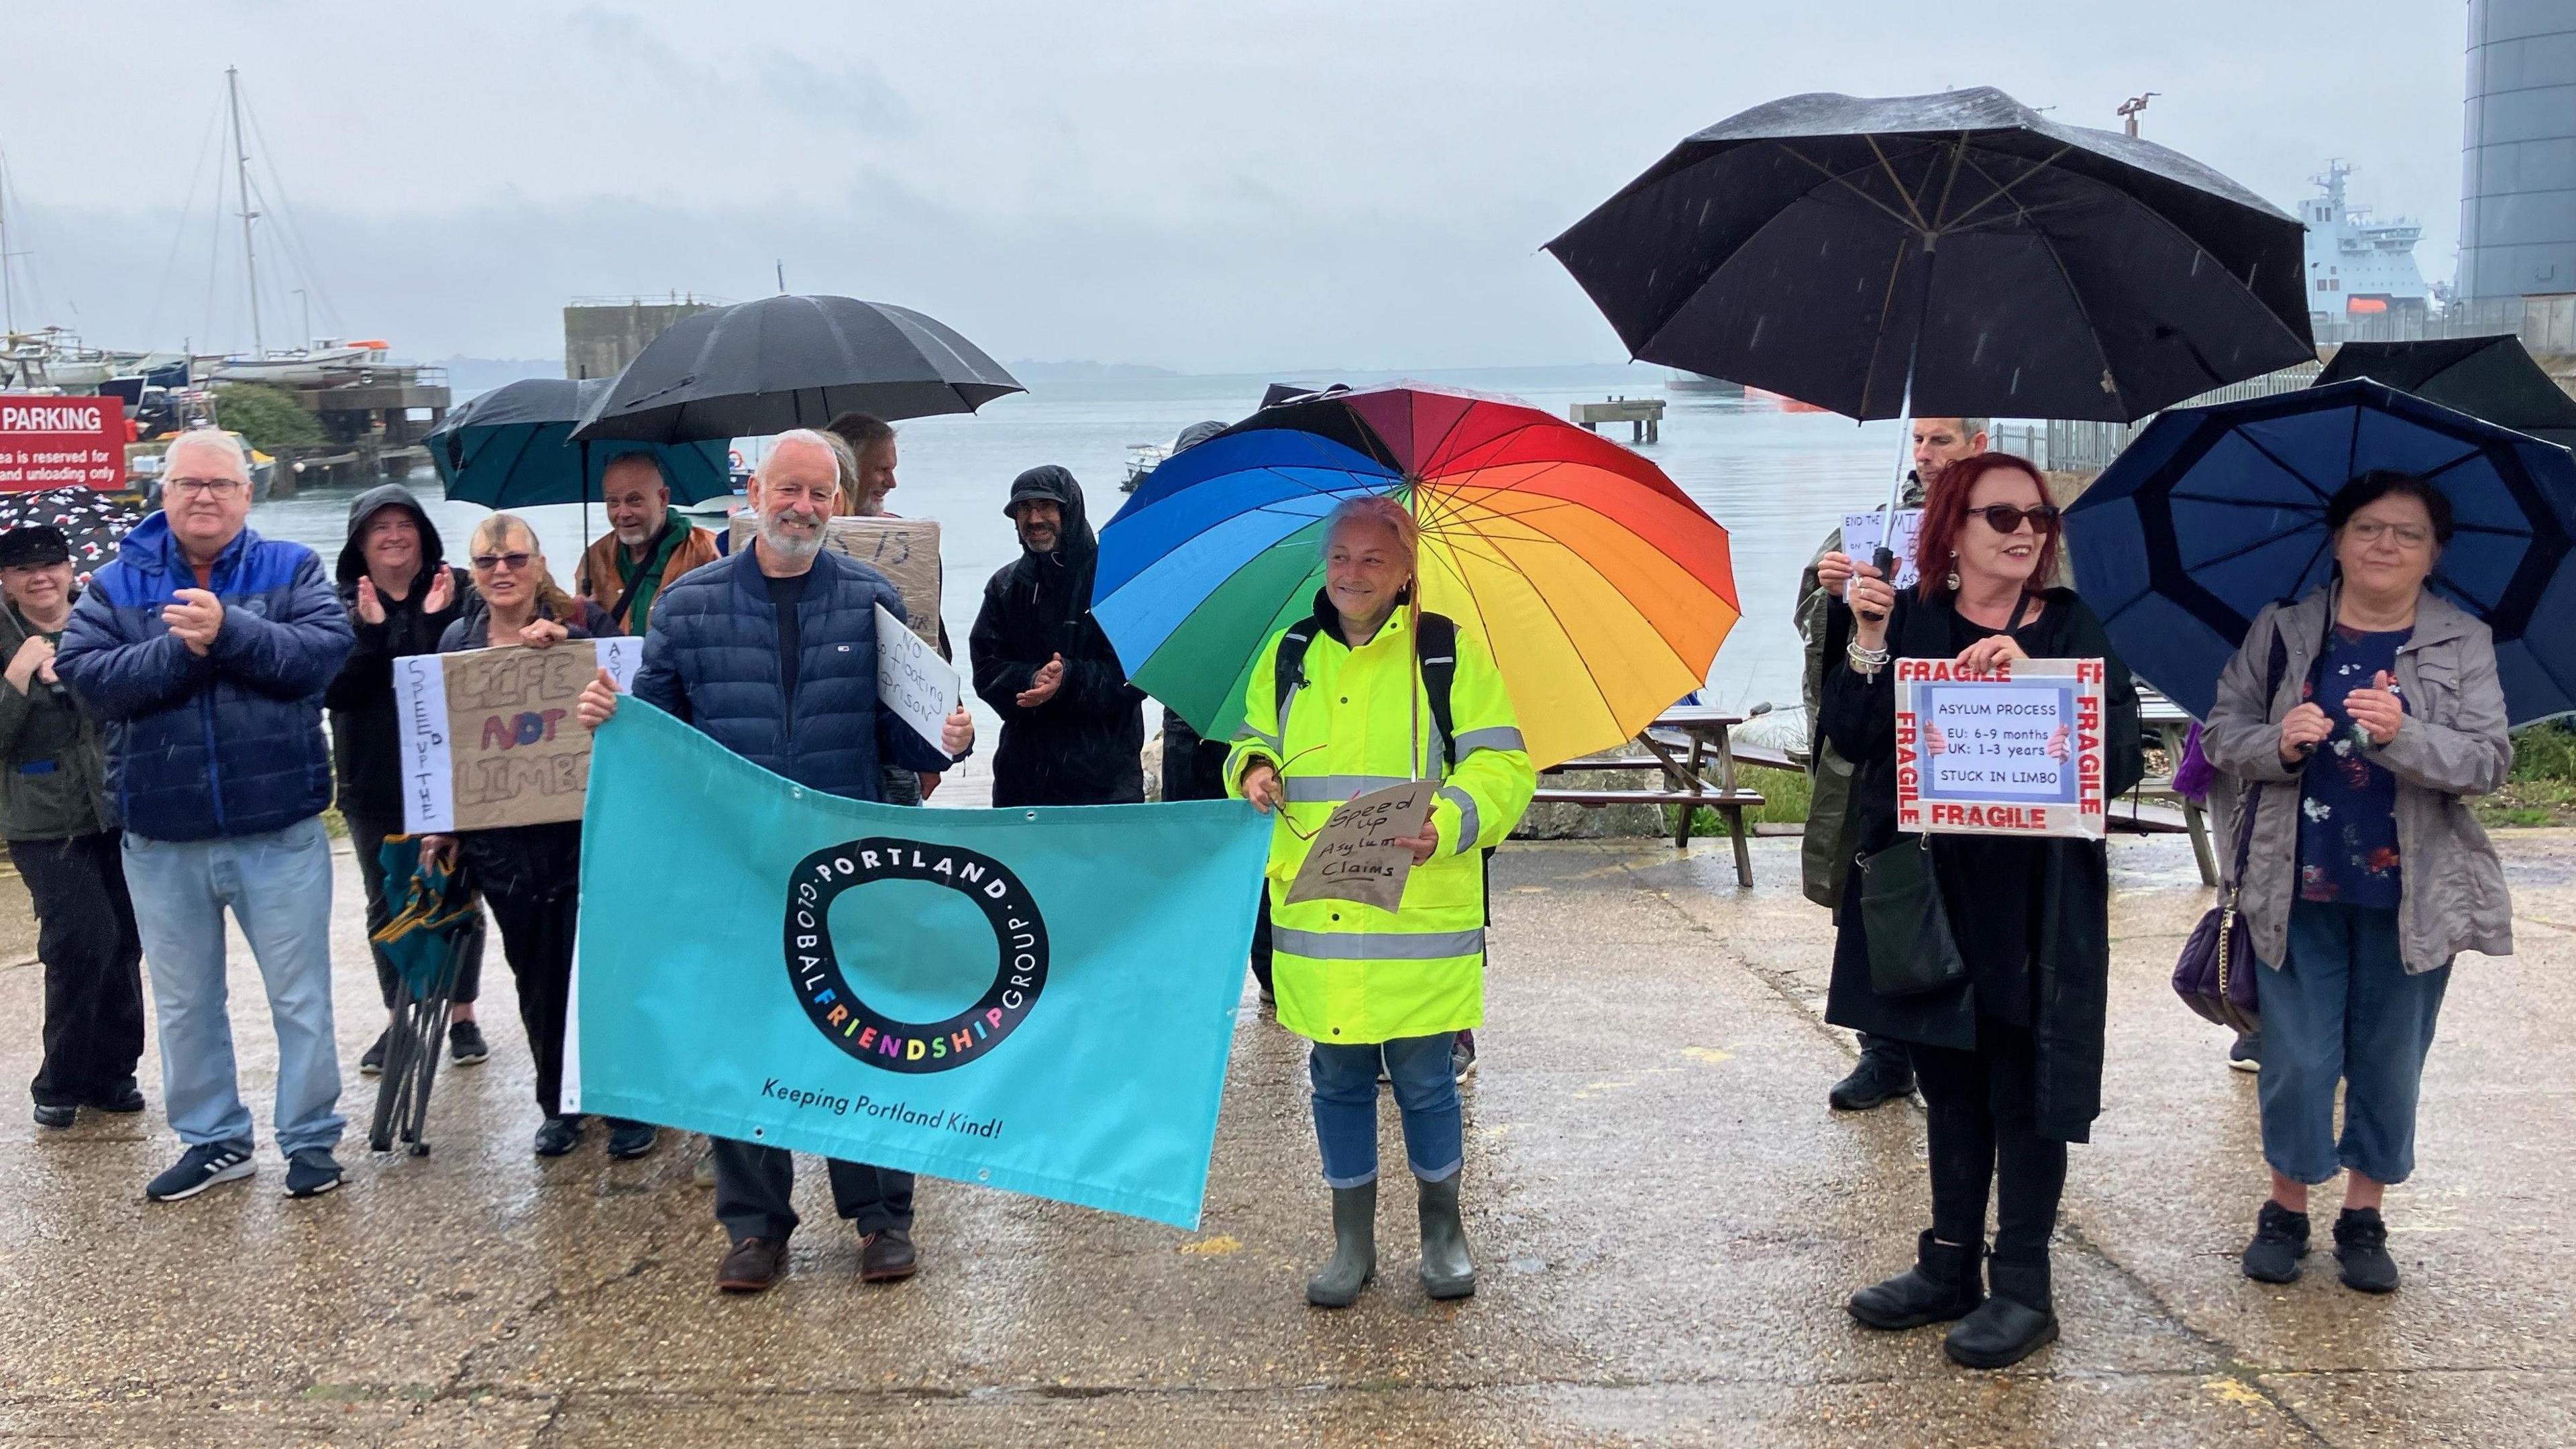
x,y
401,595
63,839
1073,728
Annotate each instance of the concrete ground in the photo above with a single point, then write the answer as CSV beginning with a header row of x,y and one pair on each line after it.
x,y
1666,1216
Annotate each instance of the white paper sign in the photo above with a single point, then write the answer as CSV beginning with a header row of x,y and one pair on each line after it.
x,y
509,738
1861,533
2016,750
912,680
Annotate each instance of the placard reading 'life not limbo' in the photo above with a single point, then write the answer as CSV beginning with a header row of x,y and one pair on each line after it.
x,y
905,550
2016,750
488,735
1354,859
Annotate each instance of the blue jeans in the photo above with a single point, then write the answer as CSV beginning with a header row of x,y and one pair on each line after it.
x,y
2343,1009
278,885
1346,1107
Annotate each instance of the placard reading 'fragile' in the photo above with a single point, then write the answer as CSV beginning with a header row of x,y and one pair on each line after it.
x,y
2016,750
488,735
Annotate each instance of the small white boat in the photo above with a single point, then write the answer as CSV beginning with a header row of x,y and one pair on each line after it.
x,y
326,361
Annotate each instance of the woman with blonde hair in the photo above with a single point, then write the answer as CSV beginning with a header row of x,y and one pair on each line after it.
x,y
531,874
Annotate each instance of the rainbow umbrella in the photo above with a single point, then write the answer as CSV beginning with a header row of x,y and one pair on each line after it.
x,y
1601,588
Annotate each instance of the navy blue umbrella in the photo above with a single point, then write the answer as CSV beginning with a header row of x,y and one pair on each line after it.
x,y
2214,512
512,447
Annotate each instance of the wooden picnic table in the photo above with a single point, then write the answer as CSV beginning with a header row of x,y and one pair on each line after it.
x,y
1681,742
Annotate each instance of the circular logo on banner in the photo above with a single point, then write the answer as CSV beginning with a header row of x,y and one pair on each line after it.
x,y
840,1013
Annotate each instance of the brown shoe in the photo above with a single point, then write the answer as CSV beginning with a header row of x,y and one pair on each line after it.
x,y
751,1266
887,1256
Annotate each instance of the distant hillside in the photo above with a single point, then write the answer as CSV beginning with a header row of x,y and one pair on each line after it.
x,y
467,376
1030,371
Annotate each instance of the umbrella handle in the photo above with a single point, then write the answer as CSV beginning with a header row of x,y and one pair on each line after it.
x,y
1884,559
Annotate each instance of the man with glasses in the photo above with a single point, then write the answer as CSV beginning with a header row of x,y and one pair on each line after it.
x,y
773,654
206,649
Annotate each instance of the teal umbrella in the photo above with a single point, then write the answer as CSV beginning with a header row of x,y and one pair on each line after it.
x,y
512,447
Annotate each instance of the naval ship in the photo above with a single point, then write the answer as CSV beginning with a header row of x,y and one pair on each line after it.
x,y
2358,266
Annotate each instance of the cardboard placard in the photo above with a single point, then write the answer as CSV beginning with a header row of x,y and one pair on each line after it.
x,y
1351,859
488,735
912,680
1862,531
2016,750
905,550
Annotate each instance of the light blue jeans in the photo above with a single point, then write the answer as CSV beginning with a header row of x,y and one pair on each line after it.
x,y
278,886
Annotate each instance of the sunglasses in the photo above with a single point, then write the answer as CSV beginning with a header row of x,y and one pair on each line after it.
x,y
2004,518
484,563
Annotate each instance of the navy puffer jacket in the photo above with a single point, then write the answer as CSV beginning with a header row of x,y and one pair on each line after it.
x,y
711,658
227,744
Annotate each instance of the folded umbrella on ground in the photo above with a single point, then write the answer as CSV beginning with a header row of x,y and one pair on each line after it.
x,y
2214,512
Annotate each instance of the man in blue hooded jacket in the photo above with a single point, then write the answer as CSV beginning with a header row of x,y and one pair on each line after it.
x,y
205,649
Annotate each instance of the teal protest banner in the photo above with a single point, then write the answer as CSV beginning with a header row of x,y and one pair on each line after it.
x,y
1037,1000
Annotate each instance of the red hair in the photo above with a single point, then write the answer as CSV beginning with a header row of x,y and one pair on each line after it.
x,y
1945,512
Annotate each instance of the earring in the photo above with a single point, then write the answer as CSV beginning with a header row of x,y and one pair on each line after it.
x,y
1952,582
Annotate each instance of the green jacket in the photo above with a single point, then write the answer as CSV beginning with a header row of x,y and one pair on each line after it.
x,y
53,770
1825,853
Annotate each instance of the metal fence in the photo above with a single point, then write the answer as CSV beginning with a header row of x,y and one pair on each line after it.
x,y
2546,324
2067,445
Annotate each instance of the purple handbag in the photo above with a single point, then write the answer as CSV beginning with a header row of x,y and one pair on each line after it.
x,y
2214,976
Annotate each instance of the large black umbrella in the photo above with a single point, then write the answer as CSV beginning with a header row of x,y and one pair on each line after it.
x,y
1954,254
2486,377
763,367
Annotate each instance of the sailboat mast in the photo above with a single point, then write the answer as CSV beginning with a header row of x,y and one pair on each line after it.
x,y
8,284
241,160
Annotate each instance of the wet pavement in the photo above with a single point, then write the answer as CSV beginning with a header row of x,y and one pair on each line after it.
x,y
1667,1219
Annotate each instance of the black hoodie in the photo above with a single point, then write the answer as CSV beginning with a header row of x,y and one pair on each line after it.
x,y
1086,745
365,745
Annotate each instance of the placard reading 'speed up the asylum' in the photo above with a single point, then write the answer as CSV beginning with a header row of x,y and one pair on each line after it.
x,y
2016,750
488,735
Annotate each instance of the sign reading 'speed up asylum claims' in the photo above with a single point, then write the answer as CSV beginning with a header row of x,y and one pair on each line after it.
x,y
2015,750
488,735
61,442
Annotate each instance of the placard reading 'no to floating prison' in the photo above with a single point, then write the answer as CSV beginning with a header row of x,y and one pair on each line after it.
x,y
488,735
2016,750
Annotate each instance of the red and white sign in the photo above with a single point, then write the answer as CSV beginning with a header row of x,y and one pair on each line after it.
x,y
2015,750
61,442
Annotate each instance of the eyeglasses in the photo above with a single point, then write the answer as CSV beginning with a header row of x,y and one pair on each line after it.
x,y
2004,518
485,563
205,487
2368,531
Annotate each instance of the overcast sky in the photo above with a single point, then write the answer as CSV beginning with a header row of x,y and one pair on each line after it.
x,y
1210,186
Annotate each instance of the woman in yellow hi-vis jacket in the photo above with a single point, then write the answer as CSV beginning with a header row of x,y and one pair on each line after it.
x,y
1365,984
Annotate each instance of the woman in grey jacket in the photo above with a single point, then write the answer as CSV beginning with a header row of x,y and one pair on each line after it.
x,y
2367,872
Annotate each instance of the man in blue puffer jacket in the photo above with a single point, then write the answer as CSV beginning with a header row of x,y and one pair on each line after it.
x,y
205,649
773,654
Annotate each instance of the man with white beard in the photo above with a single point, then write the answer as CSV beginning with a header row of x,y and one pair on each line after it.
x,y
647,547
773,654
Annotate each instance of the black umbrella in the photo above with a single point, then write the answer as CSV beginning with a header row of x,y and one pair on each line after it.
x,y
2492,378
1955,253
763,367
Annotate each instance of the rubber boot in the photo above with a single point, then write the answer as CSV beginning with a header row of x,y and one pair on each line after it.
x,y
1942,1285
2018,1321
1447,1272
1354,1259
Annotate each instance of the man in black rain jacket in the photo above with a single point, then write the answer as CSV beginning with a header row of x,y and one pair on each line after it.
x,y
1073,728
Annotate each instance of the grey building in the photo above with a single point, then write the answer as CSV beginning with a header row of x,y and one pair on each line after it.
x,y
602,334
2518,163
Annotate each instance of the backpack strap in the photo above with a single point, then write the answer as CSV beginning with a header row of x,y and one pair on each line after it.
x,y
1288,670
1435,645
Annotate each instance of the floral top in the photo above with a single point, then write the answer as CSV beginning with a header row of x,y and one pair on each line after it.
x,y
2348,813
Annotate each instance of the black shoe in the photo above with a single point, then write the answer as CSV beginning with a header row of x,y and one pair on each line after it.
x,y
558,1135
1942,1285
371,1062
311,1172
2280,1241
124,1099
1462,1057
201,1167
630,1140
57,1115
887,1256
1881,1077
2017,1321
2247,1054
2361,1246
465,1043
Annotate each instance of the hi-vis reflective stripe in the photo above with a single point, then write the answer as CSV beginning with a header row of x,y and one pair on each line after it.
x,y
1377,945
1334,789
1249,733
1467,828
1500,737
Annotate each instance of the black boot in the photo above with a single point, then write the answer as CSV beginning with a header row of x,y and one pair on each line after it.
x,y
1447,1271
2018,1321
1942,1285
1354,1260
